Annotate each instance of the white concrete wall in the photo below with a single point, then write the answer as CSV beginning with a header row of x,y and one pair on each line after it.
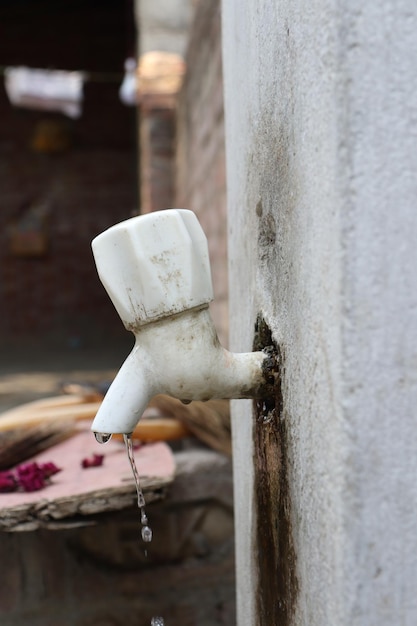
x,y
321,129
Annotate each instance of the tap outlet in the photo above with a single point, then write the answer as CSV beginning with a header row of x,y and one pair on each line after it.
x,y
156,271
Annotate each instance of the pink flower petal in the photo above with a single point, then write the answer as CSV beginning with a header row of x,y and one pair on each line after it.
x,y
7,482
95,461
49,469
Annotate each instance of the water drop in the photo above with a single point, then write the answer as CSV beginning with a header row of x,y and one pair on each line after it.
x,y
146,531
102,437
147,534
129,448
141,499
157,621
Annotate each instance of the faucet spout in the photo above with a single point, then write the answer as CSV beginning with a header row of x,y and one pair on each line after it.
x,y
127,397
180,356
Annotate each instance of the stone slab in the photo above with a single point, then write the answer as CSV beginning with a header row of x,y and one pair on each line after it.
x,y
76,493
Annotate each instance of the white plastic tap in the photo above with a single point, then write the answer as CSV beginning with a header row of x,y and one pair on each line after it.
x,y
156,271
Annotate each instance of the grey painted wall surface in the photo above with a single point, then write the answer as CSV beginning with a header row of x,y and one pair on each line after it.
x,y
321,126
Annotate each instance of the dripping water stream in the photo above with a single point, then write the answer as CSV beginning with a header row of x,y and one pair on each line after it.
x,y
146,531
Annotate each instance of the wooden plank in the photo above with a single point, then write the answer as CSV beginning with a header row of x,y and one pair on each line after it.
x,y
27,415
53,410
50,402
19,444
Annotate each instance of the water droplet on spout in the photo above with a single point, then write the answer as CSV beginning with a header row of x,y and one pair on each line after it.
x,y
102,437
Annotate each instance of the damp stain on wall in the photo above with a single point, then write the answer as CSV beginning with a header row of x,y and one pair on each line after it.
x,y
276,558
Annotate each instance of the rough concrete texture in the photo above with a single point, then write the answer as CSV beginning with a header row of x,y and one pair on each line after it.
x,y
320,137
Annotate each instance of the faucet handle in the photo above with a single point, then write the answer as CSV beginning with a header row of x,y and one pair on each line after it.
x,y
154,265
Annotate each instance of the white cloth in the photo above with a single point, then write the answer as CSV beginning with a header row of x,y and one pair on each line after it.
x,y
128,88
48,90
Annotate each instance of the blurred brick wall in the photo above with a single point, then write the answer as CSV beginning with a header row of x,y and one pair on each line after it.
x,y
157,141
200,157
57,297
